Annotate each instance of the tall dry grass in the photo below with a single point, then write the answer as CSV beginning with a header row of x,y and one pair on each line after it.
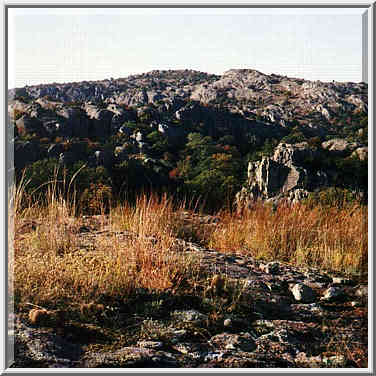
x,y
323,237
53,265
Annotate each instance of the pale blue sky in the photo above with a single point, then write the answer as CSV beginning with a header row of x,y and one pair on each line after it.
x,y
55,45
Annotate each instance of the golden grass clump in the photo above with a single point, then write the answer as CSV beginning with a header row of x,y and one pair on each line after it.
x,y
324,237
151,215
53,266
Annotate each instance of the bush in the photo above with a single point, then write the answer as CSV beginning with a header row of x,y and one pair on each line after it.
x,y
96,199
332,197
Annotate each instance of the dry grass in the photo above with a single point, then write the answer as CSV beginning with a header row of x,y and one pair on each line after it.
x,y
150,216
327,238
53,266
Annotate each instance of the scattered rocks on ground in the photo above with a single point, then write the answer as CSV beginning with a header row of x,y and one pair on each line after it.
x,y
303,293
333,293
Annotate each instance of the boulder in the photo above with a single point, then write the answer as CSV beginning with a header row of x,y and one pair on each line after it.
x,y
280,173
303,293
46,349
294,154
229,341
333,293
282,176
130,357
360,153
340,146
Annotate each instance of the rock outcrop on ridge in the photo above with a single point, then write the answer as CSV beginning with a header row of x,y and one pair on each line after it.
x,y
283,175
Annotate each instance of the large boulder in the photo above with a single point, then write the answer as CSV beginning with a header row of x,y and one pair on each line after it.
x,y
267,178
282,175
294,154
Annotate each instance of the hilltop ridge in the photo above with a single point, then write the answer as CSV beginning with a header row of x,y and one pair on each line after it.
x,y
148,115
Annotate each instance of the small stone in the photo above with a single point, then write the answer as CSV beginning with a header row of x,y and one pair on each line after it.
x,y
240,261
272,268
189,316
213,356
334,361
332,293
315,285
341,281
183,348
227,322
255,284
362,291
303,293
150,344
180,333
227,341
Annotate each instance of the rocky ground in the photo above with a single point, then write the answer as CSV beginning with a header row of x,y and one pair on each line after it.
x,y
270,315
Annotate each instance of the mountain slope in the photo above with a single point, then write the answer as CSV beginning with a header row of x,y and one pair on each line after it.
x,y
151,120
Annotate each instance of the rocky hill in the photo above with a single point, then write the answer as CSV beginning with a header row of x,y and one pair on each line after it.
x,y
172,126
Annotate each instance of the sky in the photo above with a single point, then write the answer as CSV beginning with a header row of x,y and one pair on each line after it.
x,y
66,45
